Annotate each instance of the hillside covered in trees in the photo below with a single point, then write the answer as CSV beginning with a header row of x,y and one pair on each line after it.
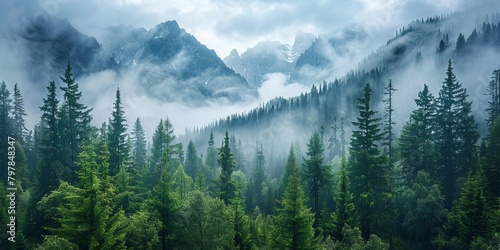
x,y
324,170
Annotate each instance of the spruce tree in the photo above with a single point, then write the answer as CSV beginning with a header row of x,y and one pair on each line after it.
x,y
345,212
18,113
211,158
287,171
192,160
417,140
456,135
163,147
317,175
74,124
493,109
5,126
293,224
165,207
491,164
117,137
139,144
368,172
227,187
259,178
85,216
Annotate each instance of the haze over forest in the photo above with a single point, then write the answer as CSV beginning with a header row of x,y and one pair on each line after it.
x,y
250,125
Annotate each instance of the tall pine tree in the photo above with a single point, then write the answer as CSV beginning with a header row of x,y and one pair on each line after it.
x,y
227,187
139,144
117,137
456,135
293,224
317,175
368,173
74,124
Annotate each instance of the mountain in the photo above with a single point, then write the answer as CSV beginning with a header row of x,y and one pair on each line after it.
x,y
45,49
268,57
166,61
175,65
417,55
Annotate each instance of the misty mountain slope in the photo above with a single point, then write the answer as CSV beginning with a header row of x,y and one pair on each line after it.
x,y
46,49
325,56
268,57
174,66
417,55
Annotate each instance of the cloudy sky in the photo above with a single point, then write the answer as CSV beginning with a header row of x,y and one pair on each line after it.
x,y
226,24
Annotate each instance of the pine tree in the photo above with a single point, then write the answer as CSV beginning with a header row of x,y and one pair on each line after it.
x,y
139,144
317,175
181,183
227,164
491,164
85,216
163,147
5,126
423,209
165,206
74,124
456,134
334,141
293,228
474,210
192,160
117,137
368,173
417,140
287,171
242,239
212,158
493,109
18,113
259,178
460,46
345,213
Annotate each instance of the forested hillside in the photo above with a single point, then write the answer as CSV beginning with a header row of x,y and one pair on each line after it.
x,y
334,168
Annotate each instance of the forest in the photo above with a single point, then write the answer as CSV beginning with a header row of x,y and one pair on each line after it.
x,y
435,184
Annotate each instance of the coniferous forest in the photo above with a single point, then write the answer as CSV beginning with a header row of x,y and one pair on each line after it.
x,y
347,180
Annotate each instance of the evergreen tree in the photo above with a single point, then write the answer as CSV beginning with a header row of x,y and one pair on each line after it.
x,y
460,46
470,216
117,137
368,173
345,213
50,147
259,178
293,228
143,231
227,164
417,142
287,171
423,210
334,141
456,134
74,124
139,144
18,113
181,183
5,126
165,207
493,109
86,217
317,175
242,237
192,160
491,164
163,147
